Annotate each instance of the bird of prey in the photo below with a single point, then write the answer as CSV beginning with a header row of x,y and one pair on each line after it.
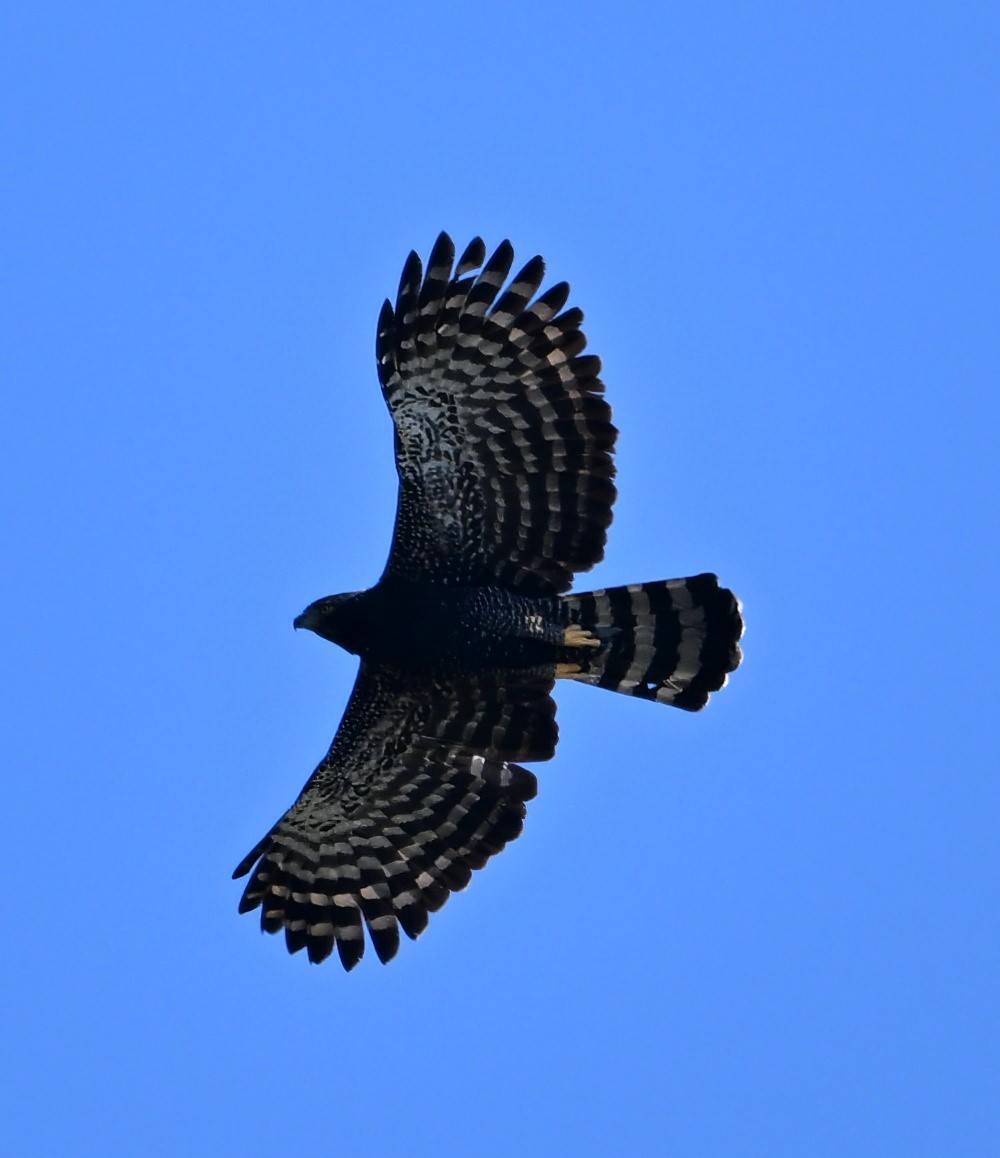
x,y
504,446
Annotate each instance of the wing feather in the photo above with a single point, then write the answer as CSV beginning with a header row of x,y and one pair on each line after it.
x,y
504,441
417,791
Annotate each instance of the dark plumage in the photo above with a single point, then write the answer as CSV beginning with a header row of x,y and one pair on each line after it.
x,y
503,449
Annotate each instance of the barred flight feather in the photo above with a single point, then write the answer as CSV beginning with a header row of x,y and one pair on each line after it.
x,y
400,813
504,440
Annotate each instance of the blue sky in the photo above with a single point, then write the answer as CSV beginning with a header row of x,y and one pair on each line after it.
x,y
768,929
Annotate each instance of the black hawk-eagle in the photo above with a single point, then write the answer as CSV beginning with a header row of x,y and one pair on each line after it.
x,y
504,452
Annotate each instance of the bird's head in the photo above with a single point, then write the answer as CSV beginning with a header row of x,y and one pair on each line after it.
x,y
334,618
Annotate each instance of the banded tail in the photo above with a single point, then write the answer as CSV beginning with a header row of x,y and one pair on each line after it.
x,y
673,641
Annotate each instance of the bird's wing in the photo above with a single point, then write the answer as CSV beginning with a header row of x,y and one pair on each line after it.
x,y
503,437
418,790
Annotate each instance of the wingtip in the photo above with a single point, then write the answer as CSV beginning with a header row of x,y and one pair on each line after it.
x,y
472,257
503,254
443,244
410,278
247,863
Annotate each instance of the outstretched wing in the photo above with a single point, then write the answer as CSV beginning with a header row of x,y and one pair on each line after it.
x,y
503,438
417,790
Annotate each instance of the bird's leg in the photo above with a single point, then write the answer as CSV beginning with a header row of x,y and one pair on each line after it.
x,y
576,636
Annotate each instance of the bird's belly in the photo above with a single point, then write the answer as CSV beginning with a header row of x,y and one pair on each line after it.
x,y
465,630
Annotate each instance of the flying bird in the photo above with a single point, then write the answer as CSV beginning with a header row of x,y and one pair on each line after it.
x,y
503,444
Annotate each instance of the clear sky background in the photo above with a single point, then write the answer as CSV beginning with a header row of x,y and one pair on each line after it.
x,y
768,929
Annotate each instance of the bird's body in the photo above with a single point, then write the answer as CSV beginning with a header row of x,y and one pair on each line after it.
x,y
428,627
504,453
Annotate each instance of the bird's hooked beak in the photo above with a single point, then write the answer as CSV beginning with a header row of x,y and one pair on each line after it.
x,y
325,616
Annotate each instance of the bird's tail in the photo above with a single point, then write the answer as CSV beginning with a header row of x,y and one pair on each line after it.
x,y
673,641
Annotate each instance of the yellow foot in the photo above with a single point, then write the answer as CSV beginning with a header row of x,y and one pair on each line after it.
x,y
575,636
